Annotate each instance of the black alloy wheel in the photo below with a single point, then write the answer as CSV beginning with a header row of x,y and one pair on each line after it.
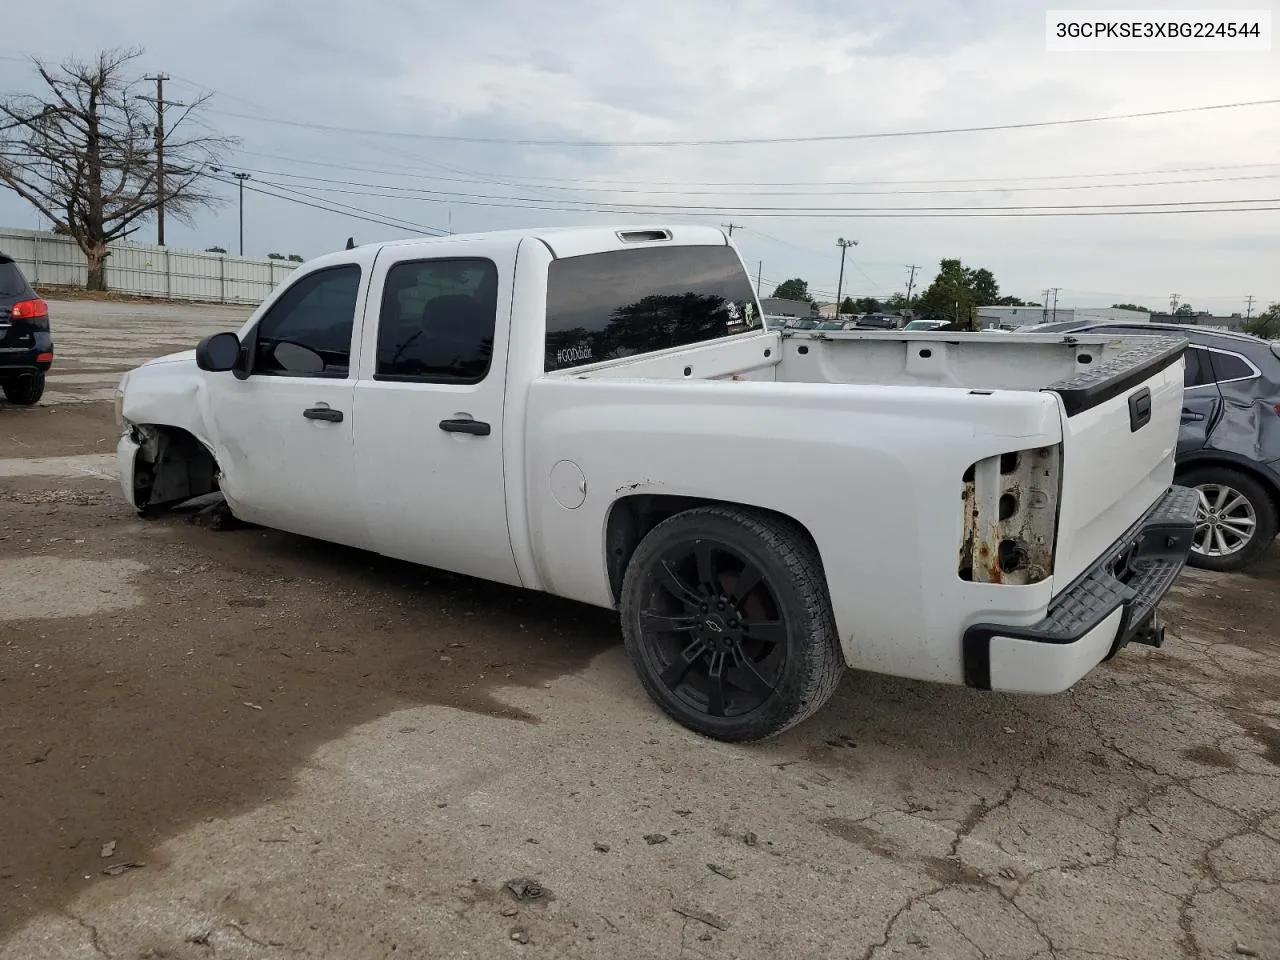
x,y
727,620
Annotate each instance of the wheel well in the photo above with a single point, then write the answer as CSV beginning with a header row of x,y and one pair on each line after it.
x,y
1248,470
631,519
172,466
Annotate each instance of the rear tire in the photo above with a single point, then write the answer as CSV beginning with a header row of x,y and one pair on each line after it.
x,y
1245,518
726,617
24,391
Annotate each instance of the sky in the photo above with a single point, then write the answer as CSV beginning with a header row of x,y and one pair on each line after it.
x,y
396,77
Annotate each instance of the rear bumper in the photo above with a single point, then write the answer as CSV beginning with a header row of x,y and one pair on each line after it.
x,y
1109,605
19,361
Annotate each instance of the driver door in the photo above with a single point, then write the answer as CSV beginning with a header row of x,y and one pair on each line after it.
x,y
285,432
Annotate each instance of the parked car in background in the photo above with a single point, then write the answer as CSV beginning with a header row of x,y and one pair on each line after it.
x,y
877,321
26,345
1229,444
921,325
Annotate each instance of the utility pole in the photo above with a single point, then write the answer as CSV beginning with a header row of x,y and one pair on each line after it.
x,y
242,177
732,227
1248,307
1173,305
911,282
759,274
1044,310
844,245
160,103
1055,302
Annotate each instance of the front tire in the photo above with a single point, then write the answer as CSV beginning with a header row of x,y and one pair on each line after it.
x,y
1235,520
25,391
726,617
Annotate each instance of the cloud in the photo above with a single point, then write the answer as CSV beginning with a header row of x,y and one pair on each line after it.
x,y
668,70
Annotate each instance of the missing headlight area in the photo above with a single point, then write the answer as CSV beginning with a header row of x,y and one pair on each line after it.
x,y
1010,504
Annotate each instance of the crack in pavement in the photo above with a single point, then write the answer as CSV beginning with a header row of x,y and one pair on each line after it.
x,y
267,944
870,952
94,938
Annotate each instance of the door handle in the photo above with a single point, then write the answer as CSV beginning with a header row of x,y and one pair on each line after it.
x,y
323,413
477,428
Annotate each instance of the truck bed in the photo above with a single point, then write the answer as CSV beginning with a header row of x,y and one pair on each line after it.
x,y
1076,364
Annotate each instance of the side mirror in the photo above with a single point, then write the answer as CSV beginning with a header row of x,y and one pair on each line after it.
x,y
218,352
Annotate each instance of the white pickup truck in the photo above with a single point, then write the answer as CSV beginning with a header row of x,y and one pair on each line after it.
x,y
599,414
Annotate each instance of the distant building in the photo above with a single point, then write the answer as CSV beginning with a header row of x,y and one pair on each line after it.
x,y
1235,322
778,307
1030,316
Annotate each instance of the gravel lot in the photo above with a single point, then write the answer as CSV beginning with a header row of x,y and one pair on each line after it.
x,y
249,744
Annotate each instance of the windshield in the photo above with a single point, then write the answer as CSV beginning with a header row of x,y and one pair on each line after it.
x,y
922,325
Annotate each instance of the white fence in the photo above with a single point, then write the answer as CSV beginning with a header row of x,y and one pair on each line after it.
x,y
146,269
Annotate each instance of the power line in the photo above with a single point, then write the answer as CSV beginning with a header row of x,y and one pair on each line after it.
x,y
416,173
585,206
775,193
836,183
355,213
745,141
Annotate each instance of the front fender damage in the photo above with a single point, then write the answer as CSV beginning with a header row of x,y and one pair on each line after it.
x,y
170,466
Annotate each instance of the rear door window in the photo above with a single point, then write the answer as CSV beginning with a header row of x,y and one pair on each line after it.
x,y
436,322
1228,367
603,306
1198,371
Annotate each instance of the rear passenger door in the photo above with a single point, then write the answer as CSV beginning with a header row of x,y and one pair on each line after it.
x,y
1201,401
429,404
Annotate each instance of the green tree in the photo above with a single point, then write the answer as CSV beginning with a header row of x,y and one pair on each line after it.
x,y
866,305
983,284
1129,306
896,302
793,289
1186,310
1266,324
949,297
848,306
215,249
295,258
275,256
957,292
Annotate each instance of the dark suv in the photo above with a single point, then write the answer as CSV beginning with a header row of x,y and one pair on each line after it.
x,y
26,345
1229,445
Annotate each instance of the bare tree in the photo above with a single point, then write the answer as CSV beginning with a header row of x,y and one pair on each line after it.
x,y
84,153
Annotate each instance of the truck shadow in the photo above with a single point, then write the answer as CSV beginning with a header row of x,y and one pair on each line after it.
x,y
251,648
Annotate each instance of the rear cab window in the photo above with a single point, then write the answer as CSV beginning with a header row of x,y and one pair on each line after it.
x,y
13,285
605,306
